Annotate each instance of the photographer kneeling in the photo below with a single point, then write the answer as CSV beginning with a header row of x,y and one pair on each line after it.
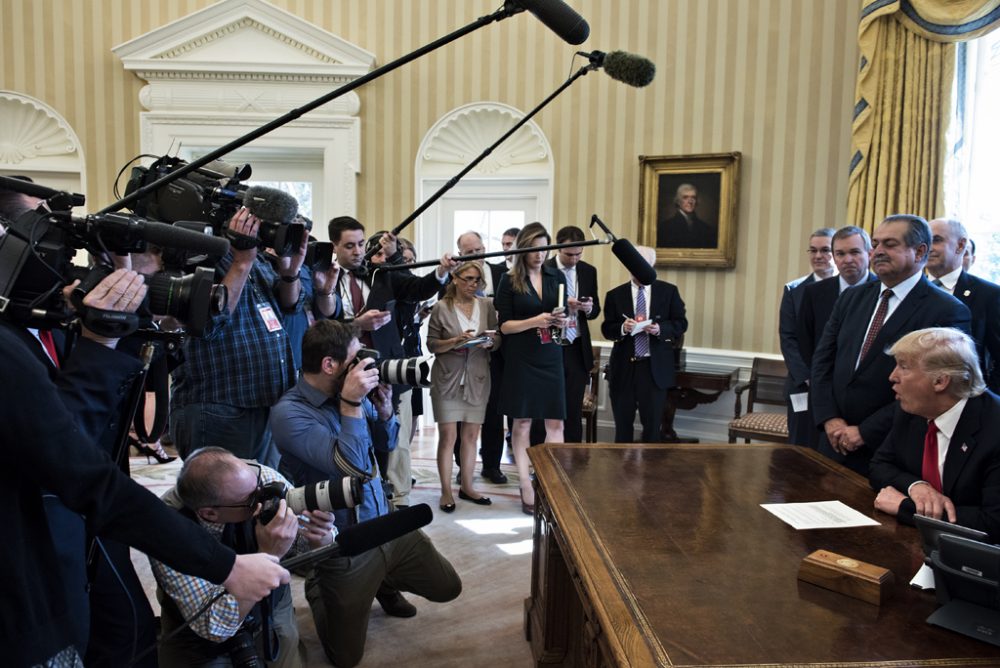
x,y
326,428
223,494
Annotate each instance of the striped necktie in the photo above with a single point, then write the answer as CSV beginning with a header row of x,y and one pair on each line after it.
x,y
642,339
571,332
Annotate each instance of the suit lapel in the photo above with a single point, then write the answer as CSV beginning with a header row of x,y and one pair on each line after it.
x,y
893,327
962,445
963,290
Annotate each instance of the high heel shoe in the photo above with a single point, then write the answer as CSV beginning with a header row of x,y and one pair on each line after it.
x,y
482,501
527,508
151,450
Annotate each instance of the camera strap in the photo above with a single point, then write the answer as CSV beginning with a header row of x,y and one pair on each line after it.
x,y
342,463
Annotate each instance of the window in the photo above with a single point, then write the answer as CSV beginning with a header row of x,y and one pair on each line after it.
x,y
974,138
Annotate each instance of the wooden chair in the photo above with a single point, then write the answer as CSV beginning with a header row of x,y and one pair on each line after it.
x,y
766,386
590,400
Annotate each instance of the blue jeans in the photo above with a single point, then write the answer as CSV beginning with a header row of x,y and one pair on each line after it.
x,y
242,431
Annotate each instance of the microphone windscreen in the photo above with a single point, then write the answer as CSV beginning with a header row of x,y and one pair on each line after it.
x,y
270,204
629,68
364,536
33,189
170,236
560,19
633,261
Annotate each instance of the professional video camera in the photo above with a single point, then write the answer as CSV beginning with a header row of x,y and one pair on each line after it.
x,y
328,495
212,195
39,246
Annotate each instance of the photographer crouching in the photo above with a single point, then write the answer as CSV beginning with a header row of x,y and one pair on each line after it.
x,y
327,427
223,494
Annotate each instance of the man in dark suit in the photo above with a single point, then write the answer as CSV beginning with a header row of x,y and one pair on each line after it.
x,y
852,248
945,267
797,382
641,368
578,356
852,397
685,229
942,455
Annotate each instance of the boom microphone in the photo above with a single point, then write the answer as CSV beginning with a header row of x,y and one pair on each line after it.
x,y
623,66
628,255
270,204
559,17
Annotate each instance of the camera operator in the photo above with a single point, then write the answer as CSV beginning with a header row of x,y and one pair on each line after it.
x,y
222,493
364,297
326,427
48,450
231,377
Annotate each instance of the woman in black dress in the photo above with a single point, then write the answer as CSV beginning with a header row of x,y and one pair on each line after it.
x,y
533,380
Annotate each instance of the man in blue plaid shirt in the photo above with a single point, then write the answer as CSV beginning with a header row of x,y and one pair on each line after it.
x,y
230,377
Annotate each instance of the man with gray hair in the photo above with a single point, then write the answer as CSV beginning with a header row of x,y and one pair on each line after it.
x,y
942,456
945,266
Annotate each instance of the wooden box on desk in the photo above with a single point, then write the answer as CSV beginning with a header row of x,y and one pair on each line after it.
x,y
848,576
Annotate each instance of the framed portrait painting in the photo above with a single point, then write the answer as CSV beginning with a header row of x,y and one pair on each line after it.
x,y
687,208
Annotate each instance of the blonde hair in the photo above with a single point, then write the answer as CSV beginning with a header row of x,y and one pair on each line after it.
x,y
452,290
944,351
525,239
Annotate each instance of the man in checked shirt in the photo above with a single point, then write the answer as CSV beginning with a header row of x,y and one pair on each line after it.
x,y
220,492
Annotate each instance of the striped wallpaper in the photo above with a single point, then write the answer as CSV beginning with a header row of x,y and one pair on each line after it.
x,y
773,79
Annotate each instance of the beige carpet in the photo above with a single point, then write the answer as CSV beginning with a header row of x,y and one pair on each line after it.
x,y
489,546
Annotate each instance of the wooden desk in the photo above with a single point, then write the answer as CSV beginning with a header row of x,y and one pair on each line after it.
x,y
696,384
660,555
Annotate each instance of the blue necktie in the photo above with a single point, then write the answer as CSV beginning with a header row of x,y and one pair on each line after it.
x,y
642,339
571,333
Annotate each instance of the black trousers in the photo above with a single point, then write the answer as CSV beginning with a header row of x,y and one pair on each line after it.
x,y
632,387
577,378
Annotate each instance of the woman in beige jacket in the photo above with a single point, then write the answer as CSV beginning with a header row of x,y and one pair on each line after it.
x,y
460,379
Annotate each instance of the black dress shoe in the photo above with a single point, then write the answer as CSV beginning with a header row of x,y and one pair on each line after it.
x,y
395,605
495,476
482,501
447,507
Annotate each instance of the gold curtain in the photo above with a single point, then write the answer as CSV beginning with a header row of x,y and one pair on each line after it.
x,y
903,102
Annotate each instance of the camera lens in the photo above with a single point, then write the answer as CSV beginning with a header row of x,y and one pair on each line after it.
x,y
192,299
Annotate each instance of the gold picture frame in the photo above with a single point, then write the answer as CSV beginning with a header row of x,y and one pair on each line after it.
x,y
702,236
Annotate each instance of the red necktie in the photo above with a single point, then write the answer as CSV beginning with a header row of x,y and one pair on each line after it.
x,y
45,336
929,471
877,322
357,296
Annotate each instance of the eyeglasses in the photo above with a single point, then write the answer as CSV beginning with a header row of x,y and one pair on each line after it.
x,y
251,501
469,279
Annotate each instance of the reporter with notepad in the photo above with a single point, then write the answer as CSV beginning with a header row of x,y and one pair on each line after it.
x,y
461,332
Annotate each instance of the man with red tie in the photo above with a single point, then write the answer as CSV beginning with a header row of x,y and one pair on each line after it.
x,y
942,455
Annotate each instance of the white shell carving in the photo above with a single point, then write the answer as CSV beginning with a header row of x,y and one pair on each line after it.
x,y
464,134
29,131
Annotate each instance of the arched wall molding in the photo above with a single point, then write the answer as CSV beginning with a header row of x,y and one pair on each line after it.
x,y
36,140
520,166
216,74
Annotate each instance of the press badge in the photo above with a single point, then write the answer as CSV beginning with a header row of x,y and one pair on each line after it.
x,y
271,320
544,335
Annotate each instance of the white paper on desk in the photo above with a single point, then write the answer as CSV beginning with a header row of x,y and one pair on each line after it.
x,y
818,515
641,325
924,579
800,402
